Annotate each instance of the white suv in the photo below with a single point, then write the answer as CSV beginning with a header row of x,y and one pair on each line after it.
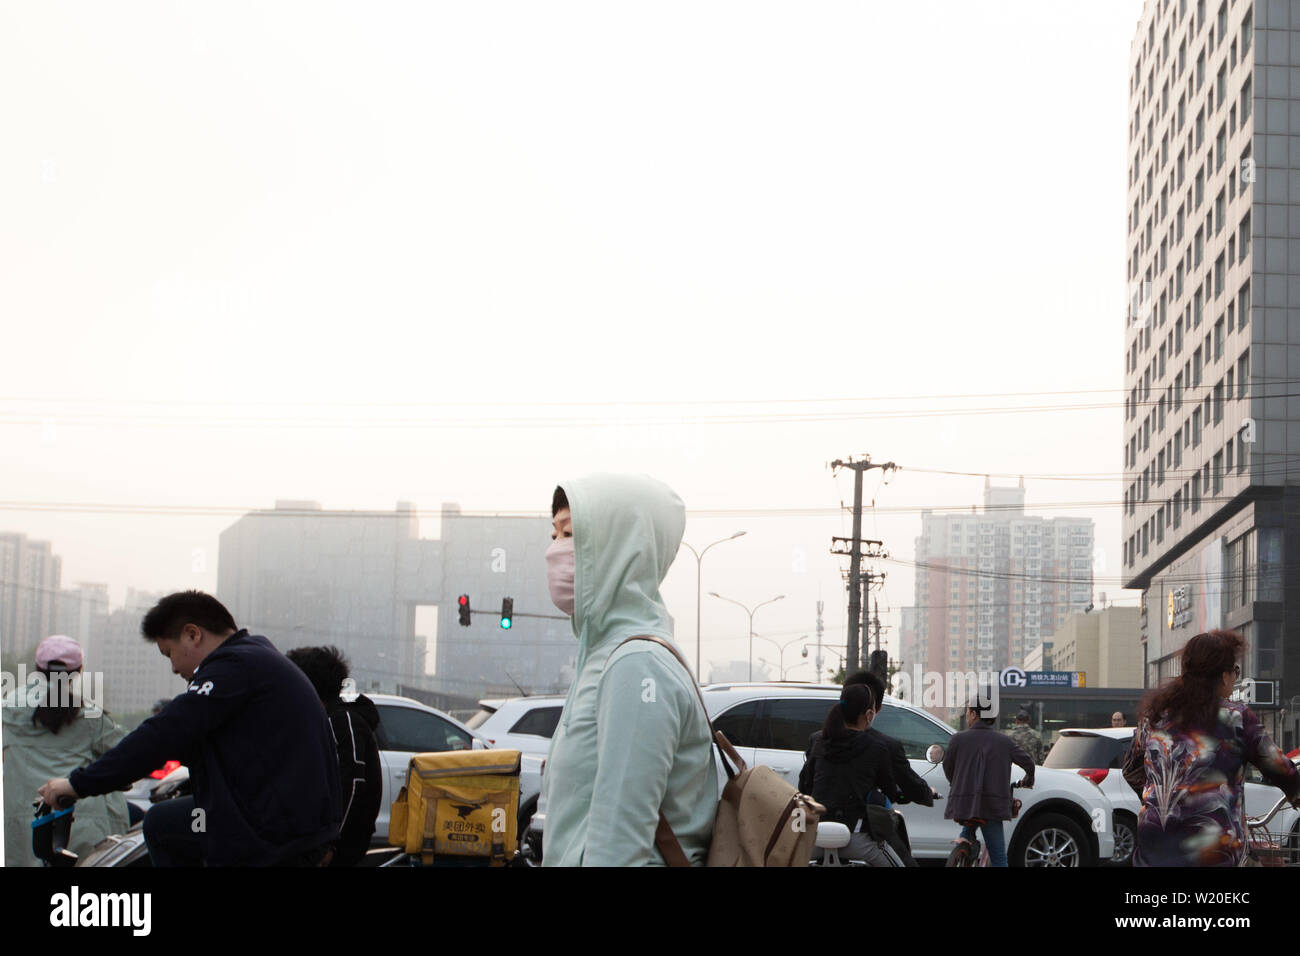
x,y
519,723
1065,820
1097,753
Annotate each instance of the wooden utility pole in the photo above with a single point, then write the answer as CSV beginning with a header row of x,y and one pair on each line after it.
x,y
854,552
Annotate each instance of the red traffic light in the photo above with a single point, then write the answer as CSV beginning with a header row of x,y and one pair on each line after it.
x,y
463,599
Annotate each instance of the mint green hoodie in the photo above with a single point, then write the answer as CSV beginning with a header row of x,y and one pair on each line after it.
x,y
633,737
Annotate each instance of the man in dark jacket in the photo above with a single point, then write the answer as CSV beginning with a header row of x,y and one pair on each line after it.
x,y
978,767
251,731
353,724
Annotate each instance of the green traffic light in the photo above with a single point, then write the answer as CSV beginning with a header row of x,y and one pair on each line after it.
x,y
505,624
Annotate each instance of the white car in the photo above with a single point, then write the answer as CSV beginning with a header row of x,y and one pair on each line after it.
x,y
519,723
1064,820
1097,753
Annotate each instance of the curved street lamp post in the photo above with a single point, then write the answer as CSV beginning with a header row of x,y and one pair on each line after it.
x,y
699,562
751,622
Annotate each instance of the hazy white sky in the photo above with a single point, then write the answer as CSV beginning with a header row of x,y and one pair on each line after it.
x,y
349,251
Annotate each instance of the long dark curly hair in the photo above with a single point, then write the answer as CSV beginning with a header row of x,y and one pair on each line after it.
x,y
1191,700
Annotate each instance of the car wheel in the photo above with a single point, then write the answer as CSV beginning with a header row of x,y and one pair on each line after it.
x,y
1125,841
1052,840
525,818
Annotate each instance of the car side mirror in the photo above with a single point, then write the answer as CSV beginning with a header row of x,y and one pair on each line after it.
x,y
934,754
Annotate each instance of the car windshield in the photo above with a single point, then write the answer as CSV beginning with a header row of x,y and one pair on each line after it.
x,y
1084,751
479,717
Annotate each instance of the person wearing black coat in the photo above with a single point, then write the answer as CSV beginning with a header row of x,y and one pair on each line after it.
x,y
354,725
845,768
901,784
360,775
251,731
978,767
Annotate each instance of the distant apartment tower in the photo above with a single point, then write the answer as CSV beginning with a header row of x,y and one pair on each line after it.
x,y
136,675
80,612
29,590
990,586
302,575
1212,341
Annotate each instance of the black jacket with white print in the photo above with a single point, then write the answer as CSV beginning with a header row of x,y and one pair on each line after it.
x,y
360,775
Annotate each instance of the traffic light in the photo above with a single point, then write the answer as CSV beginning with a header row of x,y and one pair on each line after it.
x,y
463,601
507,612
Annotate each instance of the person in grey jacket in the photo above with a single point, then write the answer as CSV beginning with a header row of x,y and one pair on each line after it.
x,y
978,767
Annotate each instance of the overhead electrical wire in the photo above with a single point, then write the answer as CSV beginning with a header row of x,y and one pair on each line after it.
x,y
1259,389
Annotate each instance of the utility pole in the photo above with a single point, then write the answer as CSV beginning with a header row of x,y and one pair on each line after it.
x,y
855,554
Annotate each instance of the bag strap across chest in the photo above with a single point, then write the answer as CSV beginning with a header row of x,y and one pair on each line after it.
x,y
665,839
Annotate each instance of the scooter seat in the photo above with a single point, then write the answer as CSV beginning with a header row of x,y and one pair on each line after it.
x,y
832,836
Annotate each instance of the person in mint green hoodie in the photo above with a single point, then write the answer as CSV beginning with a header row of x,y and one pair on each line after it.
x,y
633,739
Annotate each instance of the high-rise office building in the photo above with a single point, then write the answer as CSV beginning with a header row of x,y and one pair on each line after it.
x,y
29,591
302,575
990,586
1212,345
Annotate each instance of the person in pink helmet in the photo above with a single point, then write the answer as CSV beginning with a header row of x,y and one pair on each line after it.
x,y
49,734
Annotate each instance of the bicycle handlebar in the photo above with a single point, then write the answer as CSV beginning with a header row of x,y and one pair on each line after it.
x,y
1255,823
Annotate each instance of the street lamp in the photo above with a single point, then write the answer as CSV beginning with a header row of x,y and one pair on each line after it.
x,y
782,648
699,562
820,649
764,660
751,622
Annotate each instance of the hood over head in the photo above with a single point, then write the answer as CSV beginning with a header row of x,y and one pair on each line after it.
x,y
626,533
363,707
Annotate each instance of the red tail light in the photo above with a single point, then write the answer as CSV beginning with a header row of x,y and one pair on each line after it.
x,y
165,769
1095,775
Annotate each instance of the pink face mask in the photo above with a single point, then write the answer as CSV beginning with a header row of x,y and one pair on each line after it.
x,y
560,562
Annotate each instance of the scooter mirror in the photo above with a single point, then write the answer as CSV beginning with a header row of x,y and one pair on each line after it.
x,y
934,754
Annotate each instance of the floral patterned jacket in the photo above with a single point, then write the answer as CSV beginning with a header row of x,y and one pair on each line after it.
x,y
1191,784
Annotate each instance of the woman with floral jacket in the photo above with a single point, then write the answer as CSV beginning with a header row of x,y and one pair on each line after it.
x,y
1188,761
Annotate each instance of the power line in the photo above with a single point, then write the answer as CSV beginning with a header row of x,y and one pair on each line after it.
x,y
100,420
101,401
156,510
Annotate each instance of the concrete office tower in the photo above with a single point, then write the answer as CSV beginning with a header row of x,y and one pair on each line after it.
x,y
302,575
1212,345
1103,644
29,590
990,586
491,557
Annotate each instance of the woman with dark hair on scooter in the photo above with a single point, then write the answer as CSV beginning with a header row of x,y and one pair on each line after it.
x,y
849,765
